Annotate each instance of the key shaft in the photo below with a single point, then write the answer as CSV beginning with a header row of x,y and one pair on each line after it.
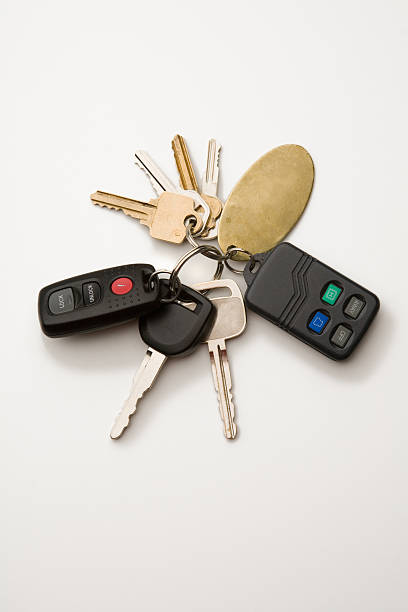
x,y
143,211
165,216
230,321
158,179
210,178
223,385
183,163
142,382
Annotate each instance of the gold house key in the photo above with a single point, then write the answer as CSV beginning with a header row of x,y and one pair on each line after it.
x,y
267,201
188,178
164,216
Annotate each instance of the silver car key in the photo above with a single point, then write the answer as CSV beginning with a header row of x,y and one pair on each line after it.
x,y
230,322
175,329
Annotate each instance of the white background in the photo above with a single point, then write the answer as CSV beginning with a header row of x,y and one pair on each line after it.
x,y
307,510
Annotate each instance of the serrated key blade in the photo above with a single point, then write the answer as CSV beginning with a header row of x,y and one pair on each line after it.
x,y
134,208
142,382
223,385
183,163
158,179
210,178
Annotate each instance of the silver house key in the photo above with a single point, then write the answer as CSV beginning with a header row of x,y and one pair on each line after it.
x,y
160,183
210,177
230,322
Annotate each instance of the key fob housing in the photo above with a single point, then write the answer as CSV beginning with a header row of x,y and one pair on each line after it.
x,y
310,300
97,300
179,326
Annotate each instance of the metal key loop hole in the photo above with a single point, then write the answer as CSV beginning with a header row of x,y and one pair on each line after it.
x,y
230,254
174,289
198,249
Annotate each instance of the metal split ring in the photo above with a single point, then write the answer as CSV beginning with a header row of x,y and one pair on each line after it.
x,y
174,288
215,253
203,249
234,251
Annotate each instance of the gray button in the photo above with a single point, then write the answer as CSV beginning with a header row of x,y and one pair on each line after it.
x,y
91,292
354,307
61,301
341,336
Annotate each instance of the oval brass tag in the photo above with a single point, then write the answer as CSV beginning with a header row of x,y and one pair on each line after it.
x,y
268,200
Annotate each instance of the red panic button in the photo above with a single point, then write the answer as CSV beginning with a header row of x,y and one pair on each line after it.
x,y
121,286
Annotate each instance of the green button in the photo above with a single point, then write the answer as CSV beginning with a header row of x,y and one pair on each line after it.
x,y
331,294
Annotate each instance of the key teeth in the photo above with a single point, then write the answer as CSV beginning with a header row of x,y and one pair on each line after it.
x,y
151,180
233,428
231,433
115,431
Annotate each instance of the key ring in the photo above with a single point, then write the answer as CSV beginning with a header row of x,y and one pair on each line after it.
x,y
203,249
174,288
215,253
231,251
212,252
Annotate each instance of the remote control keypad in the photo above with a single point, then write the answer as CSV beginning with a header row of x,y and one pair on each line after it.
x,y
311,301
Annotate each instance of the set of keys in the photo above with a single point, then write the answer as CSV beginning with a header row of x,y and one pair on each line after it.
x,y
313,302
303,296
176,207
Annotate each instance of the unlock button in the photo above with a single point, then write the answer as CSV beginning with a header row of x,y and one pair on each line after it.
x,y
91,292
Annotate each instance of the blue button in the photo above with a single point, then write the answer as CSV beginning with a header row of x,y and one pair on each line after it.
x,y
318,322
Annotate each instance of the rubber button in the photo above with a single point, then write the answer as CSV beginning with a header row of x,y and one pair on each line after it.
x,y
61,301
354,307
318,322
341,336
91,292
121,286
331,294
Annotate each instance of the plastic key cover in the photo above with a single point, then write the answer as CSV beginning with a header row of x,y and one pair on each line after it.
x,y
177,328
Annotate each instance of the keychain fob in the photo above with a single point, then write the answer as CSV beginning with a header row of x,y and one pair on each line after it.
x,y
97,300
311,301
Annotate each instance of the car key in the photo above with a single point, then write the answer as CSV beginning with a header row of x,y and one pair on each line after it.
x,y
230,322
311,301
175,329
97,300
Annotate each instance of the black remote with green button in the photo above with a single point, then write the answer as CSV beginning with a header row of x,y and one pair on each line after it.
x,y
311,301
97,300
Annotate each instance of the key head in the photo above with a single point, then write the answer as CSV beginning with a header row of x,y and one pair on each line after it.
x,y
172,211
230,319
178,327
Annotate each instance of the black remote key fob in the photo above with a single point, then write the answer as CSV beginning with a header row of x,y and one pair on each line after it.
x,y
97,300
311,301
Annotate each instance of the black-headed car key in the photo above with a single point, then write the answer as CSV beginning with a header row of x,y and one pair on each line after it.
x,y
311,301
97,300
176,329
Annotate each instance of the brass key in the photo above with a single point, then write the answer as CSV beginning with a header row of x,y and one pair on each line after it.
x,y
188,180
164,216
